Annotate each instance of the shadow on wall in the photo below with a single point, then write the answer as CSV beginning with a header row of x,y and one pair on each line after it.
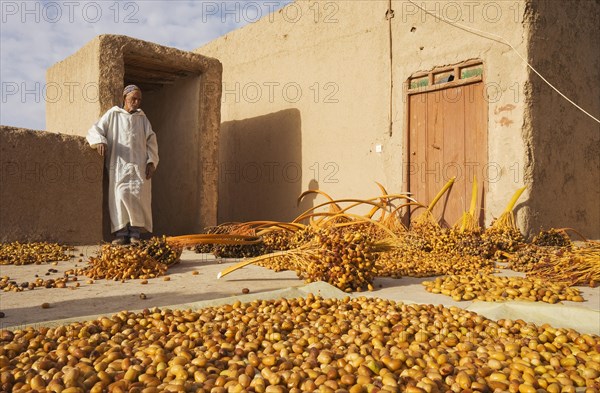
x,y
260,168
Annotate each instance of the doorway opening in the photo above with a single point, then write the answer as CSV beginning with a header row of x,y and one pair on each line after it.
x,y
171,101
447,137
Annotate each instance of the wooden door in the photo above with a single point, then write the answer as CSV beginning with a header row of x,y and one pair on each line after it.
x,y
448,138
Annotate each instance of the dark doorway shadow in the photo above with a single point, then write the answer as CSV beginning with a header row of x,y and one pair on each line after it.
x,y
174,112
106,230
260,168
308,201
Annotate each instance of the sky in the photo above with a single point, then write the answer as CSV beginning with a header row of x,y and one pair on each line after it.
x,y
36,34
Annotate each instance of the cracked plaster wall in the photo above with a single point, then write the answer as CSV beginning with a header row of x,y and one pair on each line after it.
x,y
563,143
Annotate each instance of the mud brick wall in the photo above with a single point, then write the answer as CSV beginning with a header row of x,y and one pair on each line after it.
x,y
51,188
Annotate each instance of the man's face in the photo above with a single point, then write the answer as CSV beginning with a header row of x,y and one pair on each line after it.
x,y
133,101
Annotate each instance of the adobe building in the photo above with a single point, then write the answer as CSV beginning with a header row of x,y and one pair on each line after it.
x,y
337,95
181,91
353,92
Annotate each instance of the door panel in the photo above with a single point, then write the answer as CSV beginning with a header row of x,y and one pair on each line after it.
x,y
476,158
448,137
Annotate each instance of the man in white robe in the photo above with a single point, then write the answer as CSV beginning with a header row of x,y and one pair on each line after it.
x,y
125,138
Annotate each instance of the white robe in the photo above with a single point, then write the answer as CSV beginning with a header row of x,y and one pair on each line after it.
x,y
131,144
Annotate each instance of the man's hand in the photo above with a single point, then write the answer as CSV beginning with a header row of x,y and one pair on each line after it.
x,y
101,147
150,171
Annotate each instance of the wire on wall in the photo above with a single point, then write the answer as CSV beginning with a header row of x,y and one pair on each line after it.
x,y
389,15
504,41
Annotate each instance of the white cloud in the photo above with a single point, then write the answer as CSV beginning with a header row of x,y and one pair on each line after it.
x,y
35,35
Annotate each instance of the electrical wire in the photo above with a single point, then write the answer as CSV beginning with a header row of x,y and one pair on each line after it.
x,y
389,15
504,41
